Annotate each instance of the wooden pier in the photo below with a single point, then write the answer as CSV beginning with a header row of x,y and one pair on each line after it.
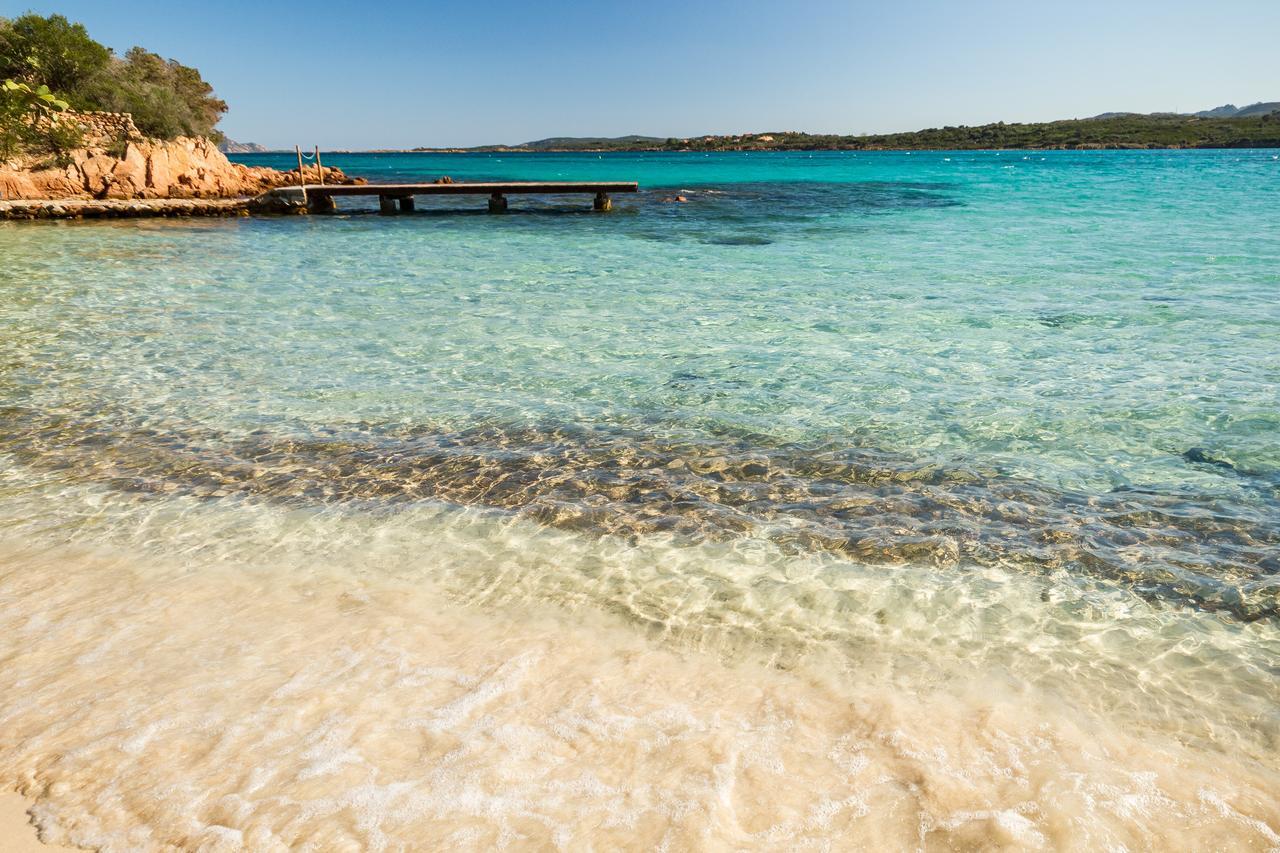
x,y
399,198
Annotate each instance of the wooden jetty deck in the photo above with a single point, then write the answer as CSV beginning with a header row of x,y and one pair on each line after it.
x,y
398,198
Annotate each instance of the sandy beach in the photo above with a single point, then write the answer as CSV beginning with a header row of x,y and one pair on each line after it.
x,y
905,480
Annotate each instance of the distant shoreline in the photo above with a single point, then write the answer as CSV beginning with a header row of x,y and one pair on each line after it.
x,y
518,150
1111,131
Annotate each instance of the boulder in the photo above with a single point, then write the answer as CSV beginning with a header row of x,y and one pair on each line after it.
x,y
159,173
94,174
128,175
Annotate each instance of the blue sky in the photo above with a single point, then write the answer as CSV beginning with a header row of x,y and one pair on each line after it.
x,y
399,74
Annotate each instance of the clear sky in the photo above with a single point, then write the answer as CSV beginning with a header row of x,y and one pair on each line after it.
x,y
395,73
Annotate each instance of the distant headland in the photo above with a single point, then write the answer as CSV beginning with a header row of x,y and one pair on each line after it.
x,y
1228,126
230,146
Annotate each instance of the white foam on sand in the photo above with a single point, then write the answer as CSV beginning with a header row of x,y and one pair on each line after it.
x,y
255,678
17,835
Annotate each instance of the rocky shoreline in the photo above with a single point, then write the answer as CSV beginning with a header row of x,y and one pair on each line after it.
x,y
147,177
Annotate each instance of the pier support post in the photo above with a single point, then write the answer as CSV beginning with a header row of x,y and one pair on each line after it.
x,y
603,202
406,204
386,204
321,203
497,203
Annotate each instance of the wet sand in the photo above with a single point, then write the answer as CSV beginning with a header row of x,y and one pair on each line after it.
x,y
17,835
208,702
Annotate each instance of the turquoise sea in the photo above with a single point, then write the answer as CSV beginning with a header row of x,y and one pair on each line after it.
x,y
925,500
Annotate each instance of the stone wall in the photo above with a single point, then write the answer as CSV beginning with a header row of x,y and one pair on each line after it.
x,y
101,129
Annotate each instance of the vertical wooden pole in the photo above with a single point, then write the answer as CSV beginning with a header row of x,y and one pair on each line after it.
x,y
302,181
319,168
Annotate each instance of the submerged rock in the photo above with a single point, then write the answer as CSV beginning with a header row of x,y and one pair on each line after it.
x,y
1204,457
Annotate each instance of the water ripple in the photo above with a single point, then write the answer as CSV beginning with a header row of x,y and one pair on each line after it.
x,y
1174,545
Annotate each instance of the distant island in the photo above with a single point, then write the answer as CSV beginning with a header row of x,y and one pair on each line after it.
x,y
230,146
1228,126
1224,111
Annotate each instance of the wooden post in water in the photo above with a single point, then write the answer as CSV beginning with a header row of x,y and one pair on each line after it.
x,y
302,179
319,168
386,204
406,204
497,203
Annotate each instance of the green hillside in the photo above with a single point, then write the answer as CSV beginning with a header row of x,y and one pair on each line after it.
x,y
1111,130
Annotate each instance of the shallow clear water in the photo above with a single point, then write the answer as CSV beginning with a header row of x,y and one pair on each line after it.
x,y
910,499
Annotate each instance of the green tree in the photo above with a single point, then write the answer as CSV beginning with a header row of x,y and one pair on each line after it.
x,y
165,97
51,51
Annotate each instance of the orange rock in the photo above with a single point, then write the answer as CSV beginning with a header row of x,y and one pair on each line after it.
x,y
150,168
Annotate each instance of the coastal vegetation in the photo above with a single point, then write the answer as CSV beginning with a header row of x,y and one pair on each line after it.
x,y
1113,130
84,132
53,56
29,121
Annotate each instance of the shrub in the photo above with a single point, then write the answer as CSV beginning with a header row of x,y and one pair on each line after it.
x,y
118,147
61,136
29,121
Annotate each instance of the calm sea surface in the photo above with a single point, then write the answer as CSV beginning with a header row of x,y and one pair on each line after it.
x,y
921,500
